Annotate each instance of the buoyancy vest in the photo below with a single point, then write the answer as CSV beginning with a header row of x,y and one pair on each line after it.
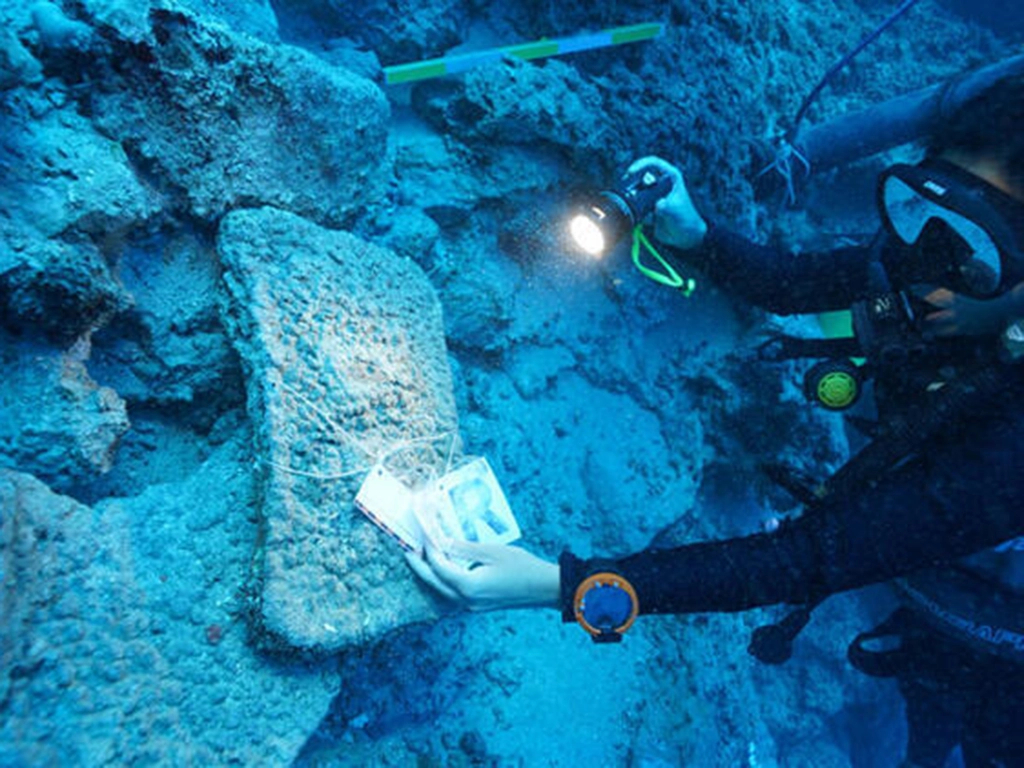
x,y
980,598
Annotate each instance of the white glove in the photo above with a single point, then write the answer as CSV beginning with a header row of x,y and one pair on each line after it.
x,y
676,221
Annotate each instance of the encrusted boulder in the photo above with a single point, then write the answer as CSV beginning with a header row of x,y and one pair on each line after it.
x,y
518,103
131,17
343,347
55,421
398,31
67,190
217,120
168,347
81,682
123,637
17,66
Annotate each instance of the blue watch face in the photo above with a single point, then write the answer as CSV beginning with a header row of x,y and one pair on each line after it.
x,y
606,607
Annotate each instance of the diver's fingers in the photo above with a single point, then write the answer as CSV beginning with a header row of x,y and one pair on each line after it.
x,y
942,315
935,295
673,203
660,164
941,323
453,575
941,297
476,552
424,571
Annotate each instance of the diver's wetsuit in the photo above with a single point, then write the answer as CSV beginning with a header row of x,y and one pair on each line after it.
x,y
956,498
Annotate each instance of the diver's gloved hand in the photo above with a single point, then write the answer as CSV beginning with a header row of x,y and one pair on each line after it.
x,y
488,577
959,315
676,221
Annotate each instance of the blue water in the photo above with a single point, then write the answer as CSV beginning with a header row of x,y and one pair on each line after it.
x,y
137,555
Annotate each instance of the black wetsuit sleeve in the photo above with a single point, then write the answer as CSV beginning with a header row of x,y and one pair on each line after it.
x,y
780,281
960,501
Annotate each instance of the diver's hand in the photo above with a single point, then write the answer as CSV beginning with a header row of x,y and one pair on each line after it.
x,y
498,576
959,315
676,221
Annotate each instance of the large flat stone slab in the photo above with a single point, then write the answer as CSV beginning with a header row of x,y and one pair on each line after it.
x,y
343,347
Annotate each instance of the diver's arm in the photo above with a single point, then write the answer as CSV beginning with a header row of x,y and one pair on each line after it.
x,y
956,315
966,497
961,502
487,577
780,281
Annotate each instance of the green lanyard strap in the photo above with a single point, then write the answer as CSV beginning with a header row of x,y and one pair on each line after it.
x,y
669,277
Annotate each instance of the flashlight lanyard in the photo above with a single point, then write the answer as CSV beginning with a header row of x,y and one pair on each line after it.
x,y
669,277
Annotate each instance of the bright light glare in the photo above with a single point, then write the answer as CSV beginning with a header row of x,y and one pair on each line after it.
x,y
587,234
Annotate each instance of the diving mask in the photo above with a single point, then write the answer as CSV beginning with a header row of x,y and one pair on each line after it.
x,y
961,231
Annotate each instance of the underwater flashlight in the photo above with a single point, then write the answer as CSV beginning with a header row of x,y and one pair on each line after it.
x,y
612,214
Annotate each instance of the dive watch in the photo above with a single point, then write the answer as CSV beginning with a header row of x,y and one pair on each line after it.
x,y
605,605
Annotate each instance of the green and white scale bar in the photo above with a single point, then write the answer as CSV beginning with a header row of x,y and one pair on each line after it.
x,y
449,65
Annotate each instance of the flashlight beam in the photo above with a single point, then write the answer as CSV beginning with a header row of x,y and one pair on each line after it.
x,y
449,65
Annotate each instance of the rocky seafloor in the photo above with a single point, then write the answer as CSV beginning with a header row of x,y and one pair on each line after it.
x,y
236,268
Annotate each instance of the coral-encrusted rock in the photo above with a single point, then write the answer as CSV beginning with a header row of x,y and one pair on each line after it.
x,y
220,120
399,31
17,67
106,645
66,189
61,176
131,17
55,421
518,103
59,290
80,681
343,345
169,346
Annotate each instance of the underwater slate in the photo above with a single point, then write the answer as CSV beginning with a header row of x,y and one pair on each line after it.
x,y
343,348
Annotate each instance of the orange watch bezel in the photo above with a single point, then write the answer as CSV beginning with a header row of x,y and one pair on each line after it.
x,y
604,579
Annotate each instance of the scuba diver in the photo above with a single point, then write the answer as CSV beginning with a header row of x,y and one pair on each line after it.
x,y
933,503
